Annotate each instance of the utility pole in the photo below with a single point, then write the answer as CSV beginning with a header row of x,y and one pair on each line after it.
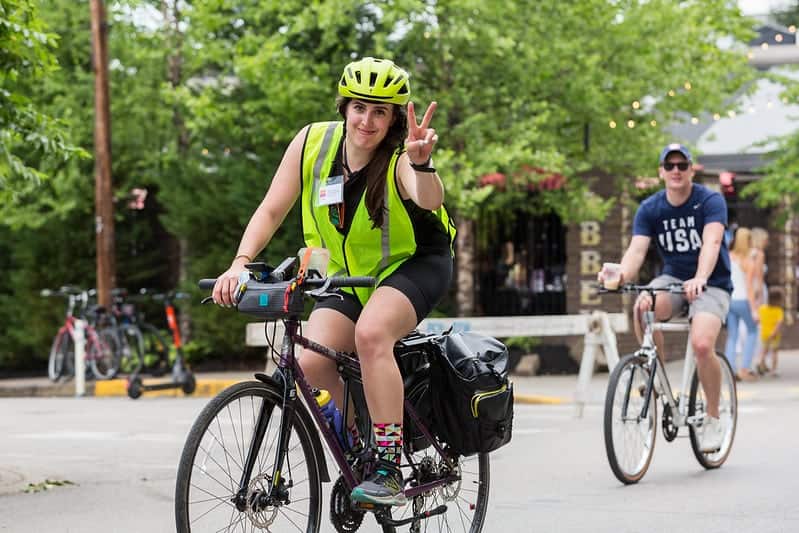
x,y
103,193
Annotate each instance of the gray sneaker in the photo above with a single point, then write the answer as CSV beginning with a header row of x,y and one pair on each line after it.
x,y
712,435
383,487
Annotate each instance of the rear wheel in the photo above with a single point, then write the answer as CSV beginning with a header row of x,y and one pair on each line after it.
x,y
131,349
466,496
728,414
155,354
629,436
207,496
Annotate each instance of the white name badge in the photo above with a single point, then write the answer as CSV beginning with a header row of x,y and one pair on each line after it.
x,y
332,192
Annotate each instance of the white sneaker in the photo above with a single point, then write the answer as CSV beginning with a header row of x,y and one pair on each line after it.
x,y
712,435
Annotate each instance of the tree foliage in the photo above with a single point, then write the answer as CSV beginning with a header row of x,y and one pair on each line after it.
x,y
30,140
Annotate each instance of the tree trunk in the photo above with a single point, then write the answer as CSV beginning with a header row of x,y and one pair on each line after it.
x,y
103,189
464,263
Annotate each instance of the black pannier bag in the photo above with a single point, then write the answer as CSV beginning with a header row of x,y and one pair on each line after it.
x,y
413,355
471,394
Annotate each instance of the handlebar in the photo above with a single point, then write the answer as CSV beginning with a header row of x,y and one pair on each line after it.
x,y
674,288
338,281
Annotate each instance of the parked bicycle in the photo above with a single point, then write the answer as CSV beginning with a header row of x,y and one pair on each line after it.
x,y
635,385
101,348
253,459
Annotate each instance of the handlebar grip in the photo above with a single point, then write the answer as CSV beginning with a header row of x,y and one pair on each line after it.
x,y
355,281
207,284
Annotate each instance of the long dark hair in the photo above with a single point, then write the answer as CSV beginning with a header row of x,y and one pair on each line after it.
x,y
377,167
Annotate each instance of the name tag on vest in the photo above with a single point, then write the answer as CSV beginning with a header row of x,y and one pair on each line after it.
x,y
332,192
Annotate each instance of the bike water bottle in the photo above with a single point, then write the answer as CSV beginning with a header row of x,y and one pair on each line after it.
x,y
333,415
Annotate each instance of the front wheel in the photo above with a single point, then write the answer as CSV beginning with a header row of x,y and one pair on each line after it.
x,y
62,357
629,434
207,494
728,414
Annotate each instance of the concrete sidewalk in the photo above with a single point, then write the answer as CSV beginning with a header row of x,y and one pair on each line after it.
x,y
543,389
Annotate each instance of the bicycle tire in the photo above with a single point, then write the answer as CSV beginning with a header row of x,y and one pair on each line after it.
x,y
461,498
231,416
103,353
630,374
62,357
155,353
131,348
728,412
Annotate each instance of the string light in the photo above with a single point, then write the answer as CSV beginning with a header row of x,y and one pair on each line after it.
x,y
764,46
792,28
778,37
716,116
630,124
731,113
653,123
672,93
687,85
694,120
612,123
636,104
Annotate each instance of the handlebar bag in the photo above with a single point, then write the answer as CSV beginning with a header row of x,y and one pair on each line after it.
x,y
266,300
472,397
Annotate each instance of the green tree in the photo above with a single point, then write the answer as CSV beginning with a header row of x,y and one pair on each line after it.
x,y
26,134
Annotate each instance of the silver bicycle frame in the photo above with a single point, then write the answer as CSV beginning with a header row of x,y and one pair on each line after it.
x,y
679,406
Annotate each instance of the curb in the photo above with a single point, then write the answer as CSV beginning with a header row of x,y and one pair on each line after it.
x,y
206,388
536,399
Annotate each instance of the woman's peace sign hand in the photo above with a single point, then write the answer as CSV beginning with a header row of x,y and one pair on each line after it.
x,y
421,138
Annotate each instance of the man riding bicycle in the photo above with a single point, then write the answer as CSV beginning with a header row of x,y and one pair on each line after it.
x,y
687,221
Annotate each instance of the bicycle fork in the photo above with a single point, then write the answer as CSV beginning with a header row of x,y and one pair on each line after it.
x,y
278,490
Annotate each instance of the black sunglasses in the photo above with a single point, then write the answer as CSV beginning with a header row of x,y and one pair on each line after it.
x,y
682,165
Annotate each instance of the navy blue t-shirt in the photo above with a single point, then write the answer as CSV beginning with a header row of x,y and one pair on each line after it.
x,y
677,230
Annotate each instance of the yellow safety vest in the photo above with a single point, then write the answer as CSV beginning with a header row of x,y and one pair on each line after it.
x,y
364,251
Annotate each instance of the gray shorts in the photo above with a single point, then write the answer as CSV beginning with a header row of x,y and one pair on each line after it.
x,y
713,300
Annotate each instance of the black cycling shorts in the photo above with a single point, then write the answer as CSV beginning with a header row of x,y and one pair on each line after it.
x,y
423,279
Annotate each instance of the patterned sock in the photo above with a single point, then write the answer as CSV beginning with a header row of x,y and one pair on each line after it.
x,y
389,442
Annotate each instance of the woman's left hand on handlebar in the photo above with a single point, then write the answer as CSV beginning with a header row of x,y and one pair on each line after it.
x,y
421,138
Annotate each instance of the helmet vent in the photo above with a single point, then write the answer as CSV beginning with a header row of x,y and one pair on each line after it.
x,y
372,79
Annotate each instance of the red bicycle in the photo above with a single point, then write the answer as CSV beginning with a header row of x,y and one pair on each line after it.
x,y
101,347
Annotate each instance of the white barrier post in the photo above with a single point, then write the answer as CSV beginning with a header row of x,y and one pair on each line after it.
x,y
600,333
80,357
591,342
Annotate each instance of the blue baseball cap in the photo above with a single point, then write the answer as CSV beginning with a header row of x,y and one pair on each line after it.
x,y
674,147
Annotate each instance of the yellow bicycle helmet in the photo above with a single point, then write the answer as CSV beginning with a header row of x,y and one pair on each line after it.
x,y
376,80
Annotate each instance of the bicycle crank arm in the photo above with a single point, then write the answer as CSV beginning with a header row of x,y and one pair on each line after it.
x,y
441,509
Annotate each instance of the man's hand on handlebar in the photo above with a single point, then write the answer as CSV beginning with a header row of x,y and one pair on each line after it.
x,y
693,288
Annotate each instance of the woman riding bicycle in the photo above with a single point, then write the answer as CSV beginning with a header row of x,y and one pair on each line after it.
x,y
376,204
